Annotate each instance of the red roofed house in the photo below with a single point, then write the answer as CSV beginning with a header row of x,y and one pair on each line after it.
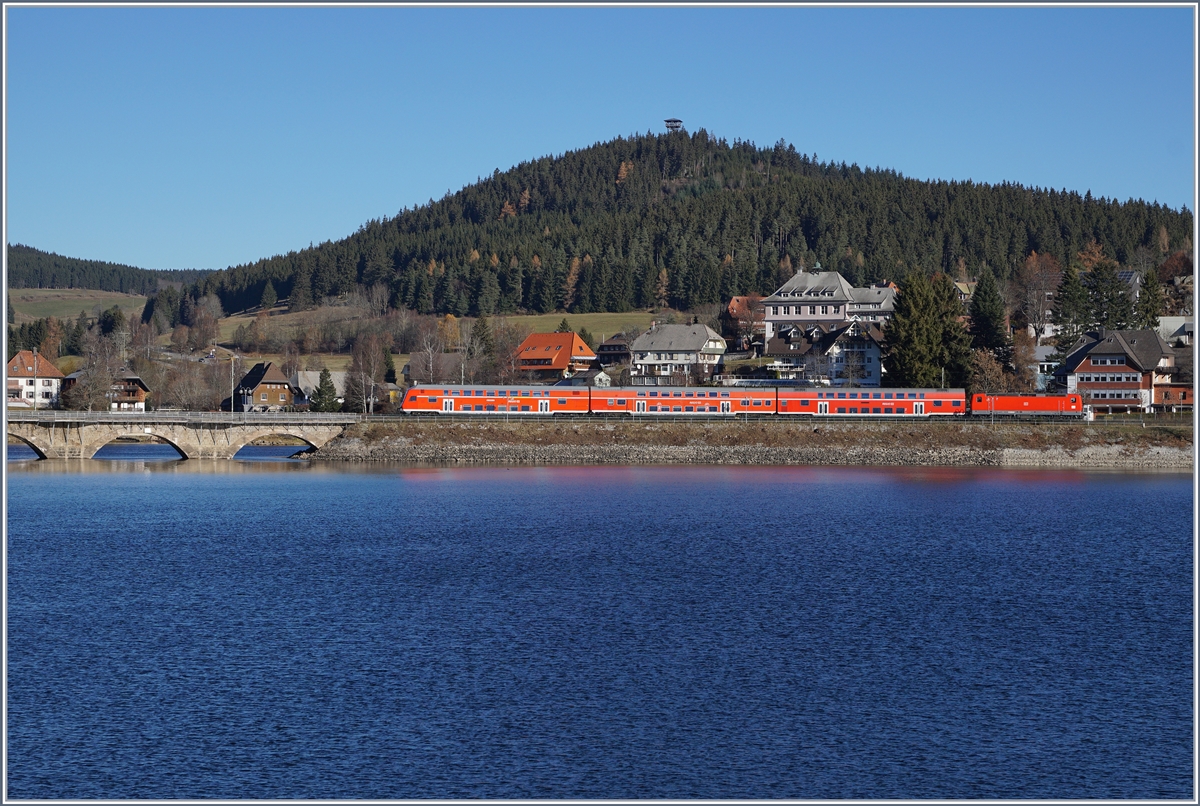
x,y
33,382
553,356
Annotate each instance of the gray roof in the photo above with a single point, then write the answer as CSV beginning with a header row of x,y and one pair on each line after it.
x,y
1144,347
307,381
679,339
825,285
886,297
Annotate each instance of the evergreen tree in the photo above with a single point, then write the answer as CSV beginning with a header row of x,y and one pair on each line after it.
x,y
1111,306
481,333
587,337
1072,311
954,354
268,298
12,315
1149,304
300,298
389,366
112,320
563,327
487,296
988,328
914,337
325,396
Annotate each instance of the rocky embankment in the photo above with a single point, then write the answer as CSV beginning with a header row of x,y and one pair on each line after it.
x,y
767,443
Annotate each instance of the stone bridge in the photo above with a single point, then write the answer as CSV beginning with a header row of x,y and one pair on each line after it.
x,y
196,435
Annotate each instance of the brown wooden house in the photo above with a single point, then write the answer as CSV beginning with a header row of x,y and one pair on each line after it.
x,y
263,388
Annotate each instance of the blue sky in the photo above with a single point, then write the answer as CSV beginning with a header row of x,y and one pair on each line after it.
x,y
207,137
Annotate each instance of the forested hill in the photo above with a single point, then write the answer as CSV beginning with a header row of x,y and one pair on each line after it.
x,y
33,268
687,219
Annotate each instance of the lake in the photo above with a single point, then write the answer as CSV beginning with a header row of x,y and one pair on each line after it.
x,y
267,628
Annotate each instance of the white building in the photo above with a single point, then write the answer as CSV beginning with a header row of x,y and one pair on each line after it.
x,y
33,382
826,298
667,350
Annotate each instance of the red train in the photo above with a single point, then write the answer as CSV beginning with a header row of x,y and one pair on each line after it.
x,y
732,401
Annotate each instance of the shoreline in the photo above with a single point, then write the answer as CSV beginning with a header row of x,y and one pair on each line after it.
x,y
906,444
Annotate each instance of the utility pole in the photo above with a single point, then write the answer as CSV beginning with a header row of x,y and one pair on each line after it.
x,y
35,386
232,359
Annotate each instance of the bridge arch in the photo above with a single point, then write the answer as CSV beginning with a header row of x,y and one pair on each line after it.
x,y
41,454
112,437
272,431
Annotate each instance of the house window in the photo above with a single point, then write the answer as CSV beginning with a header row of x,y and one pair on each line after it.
x,y
264,397
46,383
837,308
29,382
282,397
824,309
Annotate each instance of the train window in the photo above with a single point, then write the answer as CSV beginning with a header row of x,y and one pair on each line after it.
x,y
876,395
803,402
854,395
743,401
978,398
562,401
687,394
524,393
466,408
524,408
956,403
491,408
875,410
478,393
887,411
689,408
758,402
654,394
641,394
620,402
841,409
922,395
712,394
679,394
854,409
675,408
887,395
445,391
724,394
654,408
502,393
612,402
841,395
937,403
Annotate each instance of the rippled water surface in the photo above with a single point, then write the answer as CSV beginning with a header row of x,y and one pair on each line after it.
x,y
267,629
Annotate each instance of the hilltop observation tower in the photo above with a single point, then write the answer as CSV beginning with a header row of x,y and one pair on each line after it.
x,y
673,124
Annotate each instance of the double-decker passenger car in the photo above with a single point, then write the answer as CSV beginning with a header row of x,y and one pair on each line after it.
x,y
851,402
1042,405
452,399
659,400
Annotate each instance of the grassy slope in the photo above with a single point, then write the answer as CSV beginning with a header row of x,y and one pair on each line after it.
x,y
66,303
598,324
